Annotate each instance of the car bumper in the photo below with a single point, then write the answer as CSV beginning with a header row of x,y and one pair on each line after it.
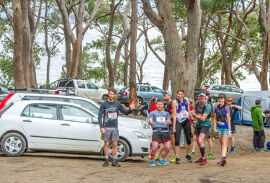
x,y
141,148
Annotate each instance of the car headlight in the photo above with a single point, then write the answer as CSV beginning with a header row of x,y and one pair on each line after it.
x,y
139,135
145,125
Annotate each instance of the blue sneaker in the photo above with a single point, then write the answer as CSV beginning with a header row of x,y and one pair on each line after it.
x,y
232,151
162,162
152,164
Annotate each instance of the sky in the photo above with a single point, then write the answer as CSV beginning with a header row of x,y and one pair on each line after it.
x,y
153,69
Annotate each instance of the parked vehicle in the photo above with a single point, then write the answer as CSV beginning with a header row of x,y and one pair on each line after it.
x,y
144,92
81,88
229,90
128,127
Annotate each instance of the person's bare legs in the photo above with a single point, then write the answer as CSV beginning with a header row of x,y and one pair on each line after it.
x,y
106,148
154,149
194,143
161,149
224,145
166,151
211,146
200,141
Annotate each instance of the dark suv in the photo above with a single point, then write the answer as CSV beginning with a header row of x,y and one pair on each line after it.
x,y
144,93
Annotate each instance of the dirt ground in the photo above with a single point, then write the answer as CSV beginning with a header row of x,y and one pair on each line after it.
x,y
244,166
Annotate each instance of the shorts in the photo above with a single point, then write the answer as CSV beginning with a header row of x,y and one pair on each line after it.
x,y
233,128
161,137
222,131
110,135
202,129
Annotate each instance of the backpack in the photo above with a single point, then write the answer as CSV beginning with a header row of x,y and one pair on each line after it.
x,y
219,111
180,105
203,109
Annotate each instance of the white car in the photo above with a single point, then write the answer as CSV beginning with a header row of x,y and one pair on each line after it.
x,y
78,87
40,125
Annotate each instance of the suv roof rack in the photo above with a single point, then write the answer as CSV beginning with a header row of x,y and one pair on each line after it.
x,y
143,83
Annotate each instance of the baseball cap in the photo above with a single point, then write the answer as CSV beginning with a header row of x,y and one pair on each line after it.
x,y
202,94
257,102
221,95
168,92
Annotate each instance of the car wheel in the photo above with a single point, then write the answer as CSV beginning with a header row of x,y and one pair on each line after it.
x,y
104,98
13,144
122,150
139,101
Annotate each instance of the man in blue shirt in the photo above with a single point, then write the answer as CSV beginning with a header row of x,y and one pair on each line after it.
x,y
160,121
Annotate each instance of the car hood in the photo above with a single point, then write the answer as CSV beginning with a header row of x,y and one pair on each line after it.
x,y
130,122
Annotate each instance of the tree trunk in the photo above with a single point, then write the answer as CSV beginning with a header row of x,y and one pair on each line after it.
x,y
126,63
68,52
26,57
108,46
133,57
166,77
194,16
47,46
178,66
17,53
265,63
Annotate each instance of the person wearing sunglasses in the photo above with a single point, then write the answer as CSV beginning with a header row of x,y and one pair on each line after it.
x,y
234,108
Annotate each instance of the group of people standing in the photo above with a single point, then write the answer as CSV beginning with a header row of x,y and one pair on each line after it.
x,y
168,119
173,116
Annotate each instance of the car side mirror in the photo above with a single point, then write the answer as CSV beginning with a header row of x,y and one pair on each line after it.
x,y
95,120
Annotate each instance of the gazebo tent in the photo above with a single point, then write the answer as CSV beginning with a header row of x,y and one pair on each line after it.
x,y
247,100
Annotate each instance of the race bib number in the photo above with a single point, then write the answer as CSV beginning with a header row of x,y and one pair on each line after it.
x,y
182,115
112,115
221,123
161,120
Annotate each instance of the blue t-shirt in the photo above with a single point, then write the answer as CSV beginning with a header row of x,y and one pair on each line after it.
x,y
160,118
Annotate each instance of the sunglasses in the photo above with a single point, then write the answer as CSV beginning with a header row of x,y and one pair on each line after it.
x,y
229,100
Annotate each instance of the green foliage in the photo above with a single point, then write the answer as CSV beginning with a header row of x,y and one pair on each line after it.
x,y
213,6
6,71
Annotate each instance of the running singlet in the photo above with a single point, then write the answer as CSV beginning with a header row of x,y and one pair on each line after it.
x,y
159,118
221,117
182,111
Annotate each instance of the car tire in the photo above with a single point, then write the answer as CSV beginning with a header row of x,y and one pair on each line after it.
x,y
13,144
122,150
104,98
139,101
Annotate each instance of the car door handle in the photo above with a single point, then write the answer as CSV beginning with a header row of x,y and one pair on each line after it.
x,y
65,124
27,120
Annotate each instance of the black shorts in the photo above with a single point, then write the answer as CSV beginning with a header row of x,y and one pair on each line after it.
x,y
202,129
161,137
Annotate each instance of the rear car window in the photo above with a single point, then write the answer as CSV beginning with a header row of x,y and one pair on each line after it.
x,y
4,109
44,111
145,88
66,83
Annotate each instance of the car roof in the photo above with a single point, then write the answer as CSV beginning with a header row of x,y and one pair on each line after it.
x,y
223,85
26,102
54,95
